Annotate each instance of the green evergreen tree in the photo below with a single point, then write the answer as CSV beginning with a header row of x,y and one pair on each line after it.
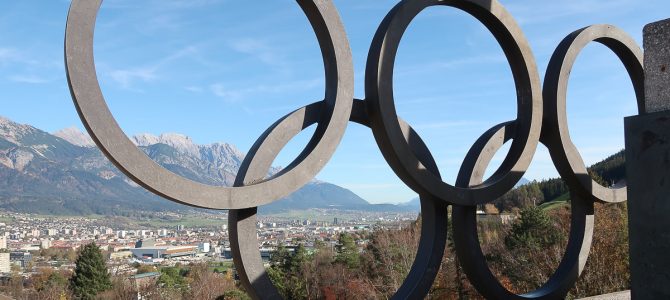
x,y
298,259
533,230
280,258
347,251
172,277
90,273
296,281
286,271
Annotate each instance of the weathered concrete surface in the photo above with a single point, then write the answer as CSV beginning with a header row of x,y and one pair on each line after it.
x,y
657,65
648,174
625,295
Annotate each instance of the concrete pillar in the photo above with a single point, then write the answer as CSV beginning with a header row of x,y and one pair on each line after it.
x,y
648,172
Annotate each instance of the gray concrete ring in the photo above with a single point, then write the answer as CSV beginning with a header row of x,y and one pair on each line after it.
x,y
242,223
109,137
466,240
388,134
555,130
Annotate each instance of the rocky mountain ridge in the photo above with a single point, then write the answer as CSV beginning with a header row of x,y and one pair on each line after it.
x,y
64,173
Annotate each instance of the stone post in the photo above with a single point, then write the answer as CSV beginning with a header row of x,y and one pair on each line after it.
x,y
648,172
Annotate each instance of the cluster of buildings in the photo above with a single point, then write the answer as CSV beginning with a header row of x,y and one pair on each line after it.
x,y
30,242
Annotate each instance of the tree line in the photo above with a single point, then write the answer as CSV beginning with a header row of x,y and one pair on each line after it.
x,y
522,255
607,172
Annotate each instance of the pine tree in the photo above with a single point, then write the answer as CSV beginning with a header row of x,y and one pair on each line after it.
x,y
286,271
347,251
278,269
533,230
90,274
280,258
298,259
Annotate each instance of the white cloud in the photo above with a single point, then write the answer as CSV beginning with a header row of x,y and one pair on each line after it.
x,y
161,4
438,65
181,4
369,186
447,124
127,77
241,94
220,91
194,89
257,48
32,79
359,166
549,11
8,55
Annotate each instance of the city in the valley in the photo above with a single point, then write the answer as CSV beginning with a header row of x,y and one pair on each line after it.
x,y
31,242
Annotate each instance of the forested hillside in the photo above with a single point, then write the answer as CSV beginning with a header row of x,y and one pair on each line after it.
x,y
610,171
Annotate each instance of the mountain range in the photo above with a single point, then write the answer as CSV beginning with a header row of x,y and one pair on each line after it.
x,y
64,173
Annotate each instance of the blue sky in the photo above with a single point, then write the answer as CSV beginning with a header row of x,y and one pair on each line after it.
x,y
222,70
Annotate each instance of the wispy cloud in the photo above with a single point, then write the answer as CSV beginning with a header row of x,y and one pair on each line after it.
x,y
259,49
161,4
447,124
553,10
182,4
359,166
31,79
466,61
236,95
220,91
194,89
450,64
8,55
21,67
126,78
369,186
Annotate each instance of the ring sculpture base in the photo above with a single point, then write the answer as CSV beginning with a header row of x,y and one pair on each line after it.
x,y
647,168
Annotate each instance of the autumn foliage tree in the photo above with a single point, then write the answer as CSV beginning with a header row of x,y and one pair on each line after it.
x,y
522,255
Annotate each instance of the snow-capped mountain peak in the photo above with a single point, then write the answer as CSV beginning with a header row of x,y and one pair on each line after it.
x,y
75,136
